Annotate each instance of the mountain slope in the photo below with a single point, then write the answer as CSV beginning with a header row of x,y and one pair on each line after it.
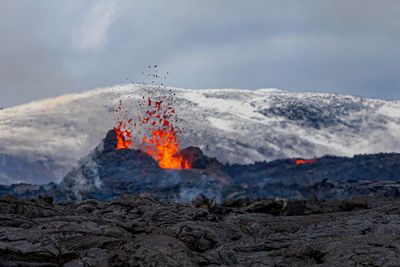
x,y
235,126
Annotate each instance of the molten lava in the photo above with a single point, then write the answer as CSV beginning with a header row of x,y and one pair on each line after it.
x,y
162,142
123,136
302,161
156,122
123,129
163,146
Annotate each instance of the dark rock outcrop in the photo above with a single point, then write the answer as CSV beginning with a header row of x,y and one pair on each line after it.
x,y
140,231
110,142
105,173
382,166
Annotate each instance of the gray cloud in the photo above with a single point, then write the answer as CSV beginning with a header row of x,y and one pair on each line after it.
x,y
53,47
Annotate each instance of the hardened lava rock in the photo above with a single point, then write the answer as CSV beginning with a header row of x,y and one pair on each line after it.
x,y
140,231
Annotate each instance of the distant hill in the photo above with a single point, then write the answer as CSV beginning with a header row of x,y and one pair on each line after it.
x,y
45,139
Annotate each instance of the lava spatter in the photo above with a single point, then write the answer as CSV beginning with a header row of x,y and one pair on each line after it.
x,y
162,141
157,125
124,128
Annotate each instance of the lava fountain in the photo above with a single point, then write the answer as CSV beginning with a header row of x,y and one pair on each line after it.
x,y
156,122
162,142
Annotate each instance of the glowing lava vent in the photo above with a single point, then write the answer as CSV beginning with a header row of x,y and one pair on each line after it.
x,y
123,136
159,136
302,161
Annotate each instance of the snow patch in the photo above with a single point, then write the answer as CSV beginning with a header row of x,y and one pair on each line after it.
x,y
236,126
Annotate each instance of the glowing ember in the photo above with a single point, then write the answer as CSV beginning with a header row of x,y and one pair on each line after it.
x,y
302,161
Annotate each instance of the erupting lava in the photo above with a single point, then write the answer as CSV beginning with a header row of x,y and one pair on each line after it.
x,y
163,146
123,136
302,161
123,129
162,142
155,123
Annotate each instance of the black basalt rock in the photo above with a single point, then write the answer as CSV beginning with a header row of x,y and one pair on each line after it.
x,y
110,142
140,231
198,160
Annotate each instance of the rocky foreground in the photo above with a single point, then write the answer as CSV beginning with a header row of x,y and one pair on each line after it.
x,y
139,231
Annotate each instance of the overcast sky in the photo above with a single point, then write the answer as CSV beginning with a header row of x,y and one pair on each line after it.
x,y
53,47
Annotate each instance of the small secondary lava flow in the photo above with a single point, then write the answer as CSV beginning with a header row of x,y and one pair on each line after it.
x,y
302,161
156,123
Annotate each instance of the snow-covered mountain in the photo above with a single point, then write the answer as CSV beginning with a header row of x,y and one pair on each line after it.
x,y
41,141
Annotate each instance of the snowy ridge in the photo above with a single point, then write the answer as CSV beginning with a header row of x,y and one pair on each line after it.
x,y
236,126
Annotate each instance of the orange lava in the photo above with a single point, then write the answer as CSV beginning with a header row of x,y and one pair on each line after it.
x,y
302,161
162,143
164,147
123,136
155,122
